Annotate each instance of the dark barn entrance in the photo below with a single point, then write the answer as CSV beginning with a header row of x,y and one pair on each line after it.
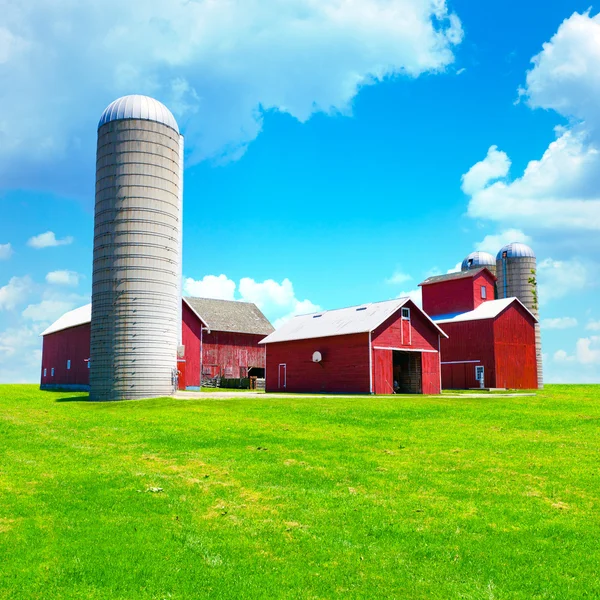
x,y
407,372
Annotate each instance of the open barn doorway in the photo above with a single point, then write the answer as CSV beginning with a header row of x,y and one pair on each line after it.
x,y
407,372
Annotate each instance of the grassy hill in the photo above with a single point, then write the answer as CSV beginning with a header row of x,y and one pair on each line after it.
x,y
298,497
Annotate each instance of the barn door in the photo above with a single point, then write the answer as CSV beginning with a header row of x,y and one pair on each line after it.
x,y
282,378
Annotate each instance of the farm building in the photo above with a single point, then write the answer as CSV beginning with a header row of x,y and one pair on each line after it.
x,y
220,339
359,350
488,340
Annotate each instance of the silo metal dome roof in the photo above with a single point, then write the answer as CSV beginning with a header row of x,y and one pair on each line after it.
x,y
478,259
138,107
516,250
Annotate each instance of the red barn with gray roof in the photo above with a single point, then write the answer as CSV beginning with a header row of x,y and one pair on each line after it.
x,y
220,339
359,350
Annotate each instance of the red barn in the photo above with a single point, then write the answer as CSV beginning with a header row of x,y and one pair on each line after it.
x,y
488,340
220,339
457,292
359,350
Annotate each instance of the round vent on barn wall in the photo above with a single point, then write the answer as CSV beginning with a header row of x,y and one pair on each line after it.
x,y
317,357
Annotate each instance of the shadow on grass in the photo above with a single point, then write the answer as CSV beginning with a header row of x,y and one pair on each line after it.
x,y
74,399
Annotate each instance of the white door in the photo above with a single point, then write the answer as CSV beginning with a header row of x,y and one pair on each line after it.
x,y
282,379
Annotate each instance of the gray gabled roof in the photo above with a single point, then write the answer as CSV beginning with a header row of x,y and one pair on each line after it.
x,y
457,275
230,315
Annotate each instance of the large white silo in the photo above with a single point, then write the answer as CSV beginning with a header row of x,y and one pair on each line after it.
x,y
516,269
136,282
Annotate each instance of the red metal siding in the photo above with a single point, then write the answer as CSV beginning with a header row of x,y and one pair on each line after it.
x,y
468,341
70,344
344,368
514,332
457,295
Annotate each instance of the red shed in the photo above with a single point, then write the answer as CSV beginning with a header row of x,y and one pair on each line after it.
x,y
457,292
360,350
220,337
495,341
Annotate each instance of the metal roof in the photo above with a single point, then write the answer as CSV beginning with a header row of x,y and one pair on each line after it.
x,y
230,315
456,275
343,321
516,250
478,259
487,310
138,107
79,316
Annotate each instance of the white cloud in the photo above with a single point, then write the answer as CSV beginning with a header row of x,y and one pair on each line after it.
x,y
593,326
277,300
557,278
48,311
561,356
581,366
494,166
15,292
493,243
48,240
558,323
455,269
219,65
69,278
20,355
587,352
398,277
560,192
6,251
415,295
210,286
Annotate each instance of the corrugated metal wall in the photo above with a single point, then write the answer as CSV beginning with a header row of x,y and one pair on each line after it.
x,y
136,271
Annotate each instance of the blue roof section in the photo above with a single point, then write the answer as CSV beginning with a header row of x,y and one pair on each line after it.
x,y
138,107
447,316
516,250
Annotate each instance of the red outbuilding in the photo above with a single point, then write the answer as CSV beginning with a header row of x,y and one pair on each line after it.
x,y
373,348
491,343
220,339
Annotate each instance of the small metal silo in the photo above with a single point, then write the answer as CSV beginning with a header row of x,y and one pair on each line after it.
x,y
479,259
516,270
136,282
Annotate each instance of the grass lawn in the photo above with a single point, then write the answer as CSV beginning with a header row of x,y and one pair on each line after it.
x,y
298,497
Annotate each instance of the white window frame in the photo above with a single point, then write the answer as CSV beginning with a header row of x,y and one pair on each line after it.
x,y
407,310
45,371
483,292
52,372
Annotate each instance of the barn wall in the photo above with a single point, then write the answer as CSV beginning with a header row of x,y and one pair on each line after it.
x,y
457,295
231,354
190,336
57,348
516,365
423,335
448,297
468,341
482,280
344,368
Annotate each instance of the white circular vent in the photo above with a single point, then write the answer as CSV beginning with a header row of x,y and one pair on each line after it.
x,y
317,357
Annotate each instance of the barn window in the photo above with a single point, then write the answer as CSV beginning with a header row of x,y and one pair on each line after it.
x,y
88,363
483,292
52,372
68,365
45,370
406,314
228,371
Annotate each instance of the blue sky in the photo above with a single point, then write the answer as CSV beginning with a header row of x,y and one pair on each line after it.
x,y
336,153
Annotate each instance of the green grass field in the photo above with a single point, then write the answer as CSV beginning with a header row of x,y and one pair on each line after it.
x,y
297,497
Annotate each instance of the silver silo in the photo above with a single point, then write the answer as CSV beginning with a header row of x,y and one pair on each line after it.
x,y
516,270
479,259
136,281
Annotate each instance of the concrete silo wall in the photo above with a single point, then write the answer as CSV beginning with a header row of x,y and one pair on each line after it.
x,y
514,276
137,261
